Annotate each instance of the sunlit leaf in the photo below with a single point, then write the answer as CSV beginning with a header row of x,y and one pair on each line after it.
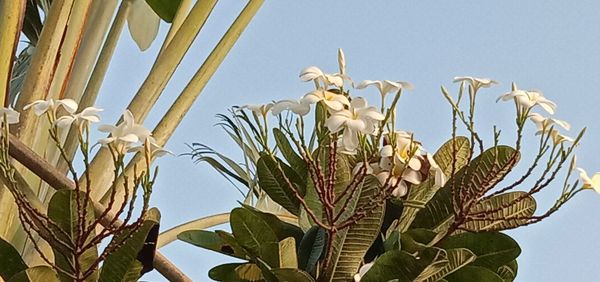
x,y
143,23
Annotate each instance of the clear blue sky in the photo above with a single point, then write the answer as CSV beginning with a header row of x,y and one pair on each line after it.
x,y
553,46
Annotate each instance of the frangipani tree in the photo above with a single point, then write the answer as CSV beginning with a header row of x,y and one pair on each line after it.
x,y
68,46
343,194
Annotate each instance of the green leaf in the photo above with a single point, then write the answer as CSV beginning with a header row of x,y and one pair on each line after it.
x,y
62,210
251,232
508,272
474,273
415,240
420,194
165,9
485,171
400,266
292,275
272,180
480,174
507,212
119,264
287,253
392,242
233,272
11,262
492,249
289,154
281,229
351,244
454,260
213,241
143,23
36,274
311,248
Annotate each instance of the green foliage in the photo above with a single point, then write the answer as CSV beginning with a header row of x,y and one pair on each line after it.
x,y
122,265
493,250
273,177
312,248
11,262
217,241
63,210
495,213
35,274
293,159
474,273
165,9
252,233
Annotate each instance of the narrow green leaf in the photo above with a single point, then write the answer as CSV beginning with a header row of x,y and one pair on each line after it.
x,y
234,272
165,9
289,154
119,263
492,249
36,274
11,262
508,272
400,266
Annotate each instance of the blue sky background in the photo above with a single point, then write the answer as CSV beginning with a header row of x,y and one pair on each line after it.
x,y
553,46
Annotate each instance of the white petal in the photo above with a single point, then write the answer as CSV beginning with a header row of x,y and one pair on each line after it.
x,y
64,121
130,138
311,73
335,122
68,104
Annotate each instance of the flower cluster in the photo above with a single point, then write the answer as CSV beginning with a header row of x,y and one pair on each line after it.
x,y
127,136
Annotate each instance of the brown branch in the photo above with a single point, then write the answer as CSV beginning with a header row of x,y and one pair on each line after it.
x,y
55,179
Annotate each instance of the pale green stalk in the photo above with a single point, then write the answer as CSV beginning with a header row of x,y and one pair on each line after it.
x,y
154,84
182,12
167,125
10,28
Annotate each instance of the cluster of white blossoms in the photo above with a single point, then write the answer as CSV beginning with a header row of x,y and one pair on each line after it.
x,y
127,136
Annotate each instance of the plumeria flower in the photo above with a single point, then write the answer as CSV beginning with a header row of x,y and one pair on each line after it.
x,y
440,177
386,86
88,115
362,271
40,107
358,118
558,138
153,148
322,79
529,99
476,82
405,147
259,109
333,101
301,107
11,115
545,123
342,61
590,183
125,134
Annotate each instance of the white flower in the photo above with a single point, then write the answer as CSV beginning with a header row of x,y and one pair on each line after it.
x,y
590,183
440,177
12,116
153,148
529,99
362,271
125,134
88,115
42,106
259,109
322,79
558,138
545,123
301,107
476,82
407,152
335,102
386,86
359,118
